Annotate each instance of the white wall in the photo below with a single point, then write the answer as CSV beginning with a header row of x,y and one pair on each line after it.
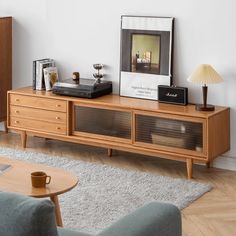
x,y
79,33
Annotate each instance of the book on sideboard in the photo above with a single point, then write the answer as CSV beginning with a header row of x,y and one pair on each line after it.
x,y
34,71
50,77
38,74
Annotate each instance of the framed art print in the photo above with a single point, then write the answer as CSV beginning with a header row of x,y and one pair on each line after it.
x,y
146,55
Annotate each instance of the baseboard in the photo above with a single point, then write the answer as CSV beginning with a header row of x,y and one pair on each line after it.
x,y
225,162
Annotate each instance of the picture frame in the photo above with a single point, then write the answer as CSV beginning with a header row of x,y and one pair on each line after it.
x,y
145,55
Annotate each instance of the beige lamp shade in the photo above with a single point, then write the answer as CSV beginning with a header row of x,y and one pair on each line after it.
x,y
205,74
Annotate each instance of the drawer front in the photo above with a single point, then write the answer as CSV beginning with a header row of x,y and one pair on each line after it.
x,y
37,102
37,125
38,114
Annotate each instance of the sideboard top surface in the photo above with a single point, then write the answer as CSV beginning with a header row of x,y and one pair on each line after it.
x,y
117,101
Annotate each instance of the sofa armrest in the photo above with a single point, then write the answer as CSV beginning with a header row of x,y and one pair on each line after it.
x,y
26,216
151,220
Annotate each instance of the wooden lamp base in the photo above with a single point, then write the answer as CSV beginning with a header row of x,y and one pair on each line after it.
x,y
202,107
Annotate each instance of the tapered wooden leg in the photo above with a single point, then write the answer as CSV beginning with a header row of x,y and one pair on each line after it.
x,y
54,199
109,152
23,139
209,164
5,126
189,163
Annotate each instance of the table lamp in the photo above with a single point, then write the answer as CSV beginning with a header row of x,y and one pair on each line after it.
x,y
205,74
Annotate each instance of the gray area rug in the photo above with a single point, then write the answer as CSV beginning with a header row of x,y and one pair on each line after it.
x,y
105,193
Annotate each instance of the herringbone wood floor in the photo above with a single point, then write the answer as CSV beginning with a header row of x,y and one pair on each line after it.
x,y
214,214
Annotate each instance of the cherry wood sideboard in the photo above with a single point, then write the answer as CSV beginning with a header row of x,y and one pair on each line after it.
x,y
5,64
129,124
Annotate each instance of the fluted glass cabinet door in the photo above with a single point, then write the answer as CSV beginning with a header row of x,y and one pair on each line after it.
x,y
102,122
173,133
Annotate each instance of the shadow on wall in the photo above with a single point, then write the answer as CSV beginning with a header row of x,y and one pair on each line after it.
x,y
26,42
21,38
229,98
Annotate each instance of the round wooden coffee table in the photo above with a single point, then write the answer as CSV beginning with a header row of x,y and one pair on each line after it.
x,y
17,179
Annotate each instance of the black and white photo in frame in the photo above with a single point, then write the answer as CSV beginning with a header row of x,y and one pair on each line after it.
x,y
146,55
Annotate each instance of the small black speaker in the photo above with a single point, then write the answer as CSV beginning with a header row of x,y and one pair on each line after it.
x,y
173,94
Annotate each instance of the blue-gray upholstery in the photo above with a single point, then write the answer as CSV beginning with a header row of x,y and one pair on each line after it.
x,y
152,219
26,216
66,232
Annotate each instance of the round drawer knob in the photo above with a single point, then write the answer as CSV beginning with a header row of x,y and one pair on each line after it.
x,y
58,105
17,112
17,99
58,118
58,128
17,122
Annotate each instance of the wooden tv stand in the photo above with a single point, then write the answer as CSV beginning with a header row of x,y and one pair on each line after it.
x,y
114,122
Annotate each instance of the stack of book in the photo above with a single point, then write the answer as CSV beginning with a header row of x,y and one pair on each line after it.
x,y
44,74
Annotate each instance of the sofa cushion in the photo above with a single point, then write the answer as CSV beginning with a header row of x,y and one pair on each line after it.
x,y
26,216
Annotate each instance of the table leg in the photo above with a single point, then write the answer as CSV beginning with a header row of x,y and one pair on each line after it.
x,y
189,168
54,199
209,164
23,139
109,152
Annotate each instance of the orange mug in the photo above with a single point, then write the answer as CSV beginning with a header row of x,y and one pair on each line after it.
x,y
39,179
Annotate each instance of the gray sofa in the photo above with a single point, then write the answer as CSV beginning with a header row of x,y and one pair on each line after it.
x,y
26,216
